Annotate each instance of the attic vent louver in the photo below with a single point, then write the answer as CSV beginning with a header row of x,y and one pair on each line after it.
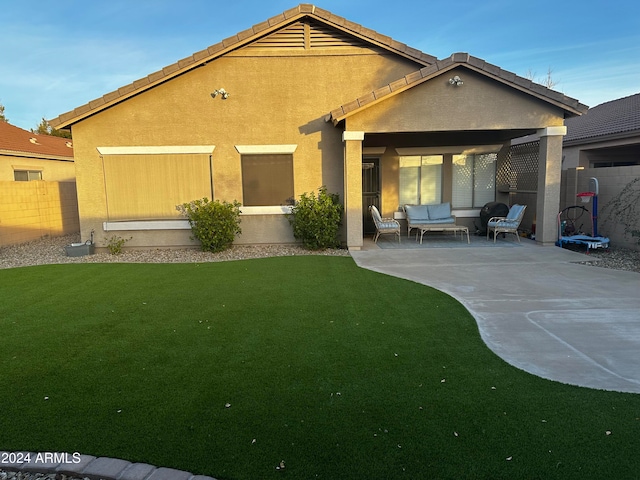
x,y
308,35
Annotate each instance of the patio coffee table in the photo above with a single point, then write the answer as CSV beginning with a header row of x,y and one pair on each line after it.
x,y
449,228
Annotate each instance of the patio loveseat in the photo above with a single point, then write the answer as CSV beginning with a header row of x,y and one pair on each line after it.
x,y
429,217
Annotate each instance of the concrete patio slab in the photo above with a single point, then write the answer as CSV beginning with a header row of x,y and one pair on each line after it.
x,y
536,307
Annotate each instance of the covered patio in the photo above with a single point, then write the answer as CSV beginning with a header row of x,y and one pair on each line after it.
x,y
441,135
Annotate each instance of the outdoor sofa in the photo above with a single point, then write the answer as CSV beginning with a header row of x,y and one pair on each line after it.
x,y
429,217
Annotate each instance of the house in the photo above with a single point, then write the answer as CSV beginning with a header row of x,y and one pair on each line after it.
x,y
608,135
37,186
29,156
301,100
604,144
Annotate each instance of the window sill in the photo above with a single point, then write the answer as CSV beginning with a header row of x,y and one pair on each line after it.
x,y
180,224
267,210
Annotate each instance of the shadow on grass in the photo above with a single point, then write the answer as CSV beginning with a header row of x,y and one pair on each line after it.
x,y
226,369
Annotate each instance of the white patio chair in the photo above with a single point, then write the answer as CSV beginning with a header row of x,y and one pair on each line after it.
x,y
384,225
508,224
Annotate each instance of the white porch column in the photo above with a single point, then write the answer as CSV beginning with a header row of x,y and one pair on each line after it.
x,y
353,187
549,172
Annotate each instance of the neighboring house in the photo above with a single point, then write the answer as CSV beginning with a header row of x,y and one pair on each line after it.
x,y
306,99
37,186
29,156
605,144
608,135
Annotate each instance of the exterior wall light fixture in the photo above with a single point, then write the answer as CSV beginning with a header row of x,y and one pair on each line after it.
x,y
222,92
457,81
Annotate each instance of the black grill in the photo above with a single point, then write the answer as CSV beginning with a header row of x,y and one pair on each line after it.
x,y
491,209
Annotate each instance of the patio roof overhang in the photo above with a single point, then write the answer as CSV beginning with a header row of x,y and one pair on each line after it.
x,y
570,106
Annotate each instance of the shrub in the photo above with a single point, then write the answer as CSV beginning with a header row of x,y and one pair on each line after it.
x,y
316,219
215,224
115,244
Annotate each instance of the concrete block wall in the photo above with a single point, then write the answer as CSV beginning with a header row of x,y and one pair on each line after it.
x,y
32,210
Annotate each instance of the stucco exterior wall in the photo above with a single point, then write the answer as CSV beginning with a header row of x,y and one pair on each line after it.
x,y
274,100
52,170
589,152
479,104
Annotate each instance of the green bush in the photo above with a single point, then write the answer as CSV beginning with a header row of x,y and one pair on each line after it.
x,y
116,243
214,223
316,219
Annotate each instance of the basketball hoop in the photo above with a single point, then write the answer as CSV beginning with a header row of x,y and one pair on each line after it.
x,y
585,196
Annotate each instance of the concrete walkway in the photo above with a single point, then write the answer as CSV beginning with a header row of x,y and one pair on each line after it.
x,y
536,307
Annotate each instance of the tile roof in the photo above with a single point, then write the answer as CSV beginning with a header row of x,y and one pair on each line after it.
x,y
619,117
15,139
237,41
570,105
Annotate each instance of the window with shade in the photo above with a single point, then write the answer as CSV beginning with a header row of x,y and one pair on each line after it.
x,y
420,179
474,180
267,179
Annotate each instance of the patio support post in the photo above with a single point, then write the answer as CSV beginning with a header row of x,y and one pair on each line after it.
x,y
549,173
353,188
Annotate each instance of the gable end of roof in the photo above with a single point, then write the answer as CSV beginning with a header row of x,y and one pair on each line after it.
x,y
570,105
234,42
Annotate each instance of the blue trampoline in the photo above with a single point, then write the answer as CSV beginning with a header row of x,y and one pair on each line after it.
x,y
570,223
571,220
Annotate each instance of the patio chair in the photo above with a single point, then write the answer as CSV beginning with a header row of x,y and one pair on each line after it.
x,y
508,224
384,225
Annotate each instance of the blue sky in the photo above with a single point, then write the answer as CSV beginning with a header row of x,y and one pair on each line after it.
x,y
55,56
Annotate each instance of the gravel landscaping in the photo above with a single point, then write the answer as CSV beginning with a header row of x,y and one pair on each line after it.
x,y
51,250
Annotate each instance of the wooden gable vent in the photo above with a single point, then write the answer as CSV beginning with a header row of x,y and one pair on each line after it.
x,y
307,35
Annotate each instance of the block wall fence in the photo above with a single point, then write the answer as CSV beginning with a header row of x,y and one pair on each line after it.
x,y
32,210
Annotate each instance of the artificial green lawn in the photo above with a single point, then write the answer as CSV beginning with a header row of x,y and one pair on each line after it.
x,y
225,369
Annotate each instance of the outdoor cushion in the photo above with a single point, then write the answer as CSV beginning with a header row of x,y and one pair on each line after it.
x,y
435,221
439,211
389,224
417,213
504,223
514,212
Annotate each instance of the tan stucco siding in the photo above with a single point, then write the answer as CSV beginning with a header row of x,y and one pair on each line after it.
x,y
52,170
436,105
274,100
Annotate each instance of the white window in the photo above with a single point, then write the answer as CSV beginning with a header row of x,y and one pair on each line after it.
x,y
27,175
473,180
420,179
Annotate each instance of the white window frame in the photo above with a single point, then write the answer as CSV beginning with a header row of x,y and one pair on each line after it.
x,y
284,149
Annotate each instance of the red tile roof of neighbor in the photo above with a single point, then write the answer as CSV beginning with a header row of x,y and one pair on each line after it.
x,y
15,139
311,11
618,118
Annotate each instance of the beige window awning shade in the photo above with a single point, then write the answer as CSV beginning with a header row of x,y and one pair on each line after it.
x,y
150,186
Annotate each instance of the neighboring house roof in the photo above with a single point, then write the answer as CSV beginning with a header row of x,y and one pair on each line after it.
x,y
570,105
235,42
16,141
615,119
